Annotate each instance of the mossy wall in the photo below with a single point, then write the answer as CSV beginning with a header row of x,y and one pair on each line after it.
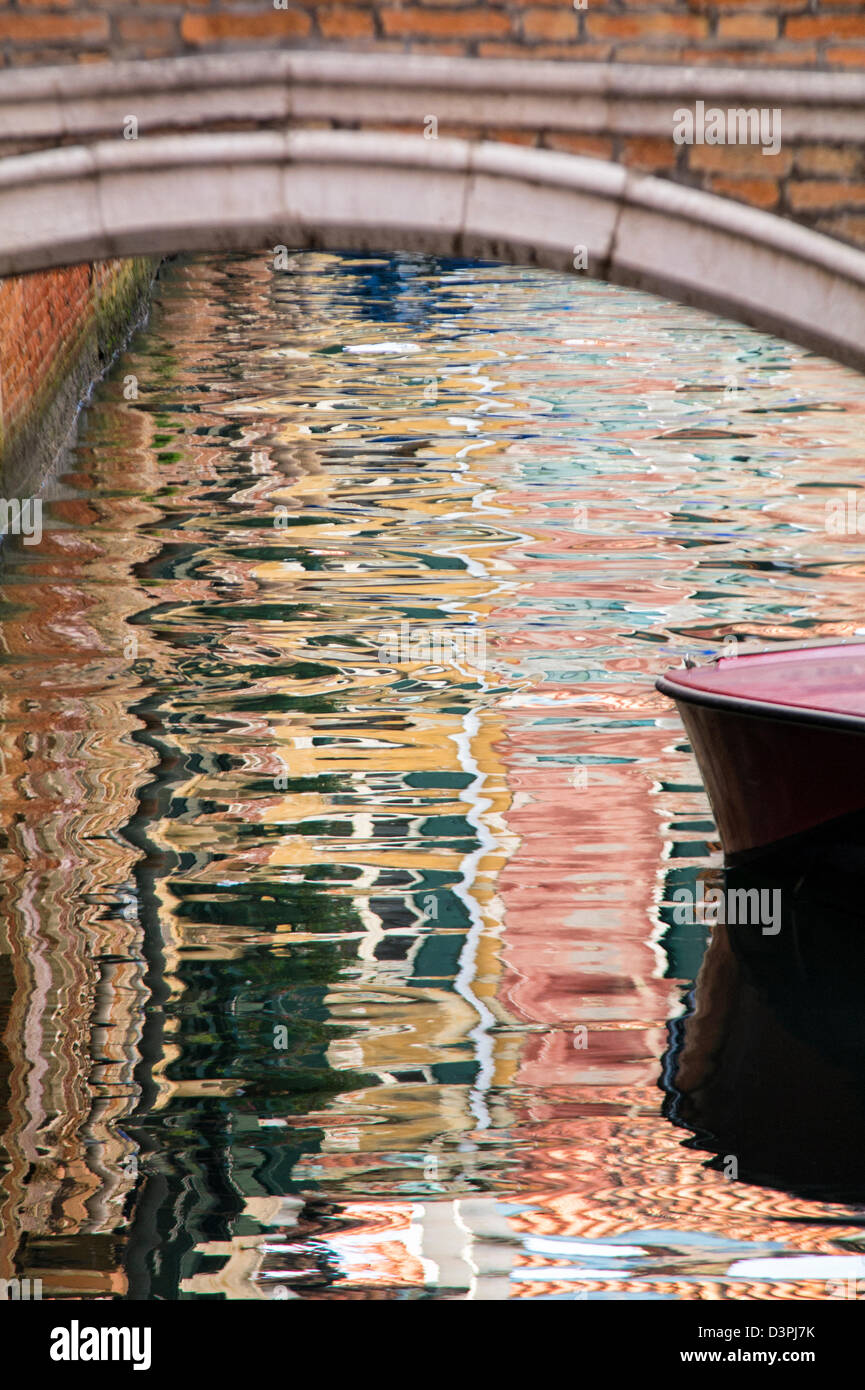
x,y
59,329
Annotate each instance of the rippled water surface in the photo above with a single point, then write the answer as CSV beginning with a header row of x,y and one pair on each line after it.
x,y
341,817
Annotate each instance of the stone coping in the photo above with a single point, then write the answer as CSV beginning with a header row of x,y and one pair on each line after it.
x,y
40,103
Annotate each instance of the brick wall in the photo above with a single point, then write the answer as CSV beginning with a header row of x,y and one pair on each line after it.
x,y
828,34
39,314
57,330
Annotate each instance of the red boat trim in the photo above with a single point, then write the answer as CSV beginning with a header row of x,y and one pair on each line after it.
x,y
759,709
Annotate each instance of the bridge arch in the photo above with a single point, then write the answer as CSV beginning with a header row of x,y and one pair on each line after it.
x,y
73,189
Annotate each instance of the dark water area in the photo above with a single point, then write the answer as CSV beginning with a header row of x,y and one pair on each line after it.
x,y
343,827
769,1063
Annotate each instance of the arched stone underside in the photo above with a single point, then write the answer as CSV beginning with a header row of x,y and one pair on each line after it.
x,y
356,190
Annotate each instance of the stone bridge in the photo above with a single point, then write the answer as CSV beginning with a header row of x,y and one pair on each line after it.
x,y
732,179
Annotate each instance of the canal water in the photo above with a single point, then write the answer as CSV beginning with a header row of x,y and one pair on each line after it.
x,y
342,821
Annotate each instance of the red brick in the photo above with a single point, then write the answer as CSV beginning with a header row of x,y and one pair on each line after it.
x,y
42,28
760,193
138,29
614,26
755,28
550,24
345,22
649,152
513,137
240,28
826,26
848,57
654,26
734,160
446,24
824,193
773,6
824,159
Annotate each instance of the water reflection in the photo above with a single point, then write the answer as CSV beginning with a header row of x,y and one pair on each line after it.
x,y
769,1069
333,966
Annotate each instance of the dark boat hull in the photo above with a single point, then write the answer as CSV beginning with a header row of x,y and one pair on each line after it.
x,y
772,779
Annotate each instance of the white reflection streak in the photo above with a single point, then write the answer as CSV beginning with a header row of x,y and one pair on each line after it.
x,y
472,794
486,842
